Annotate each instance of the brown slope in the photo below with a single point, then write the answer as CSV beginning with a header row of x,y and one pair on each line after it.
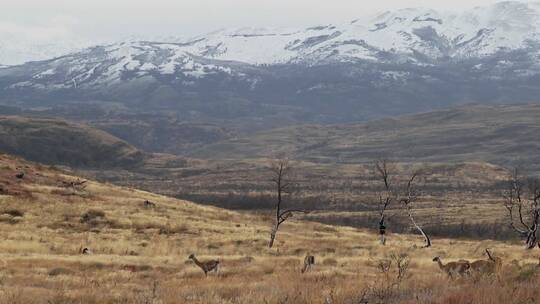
x,y
54,141
503,135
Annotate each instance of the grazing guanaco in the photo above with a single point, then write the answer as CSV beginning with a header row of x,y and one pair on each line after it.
x,y
149,204
453,268
206,266
84,250
309,261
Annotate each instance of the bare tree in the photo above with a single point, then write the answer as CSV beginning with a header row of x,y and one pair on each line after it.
x,y
409,198
385,197
522,202
283,183
392,192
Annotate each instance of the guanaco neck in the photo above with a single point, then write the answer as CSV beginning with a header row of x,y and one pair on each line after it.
x,y
489,255
197,262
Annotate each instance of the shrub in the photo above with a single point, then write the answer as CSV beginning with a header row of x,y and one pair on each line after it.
x,y
526,274
4,218
13,212
92,215
170,230
60,271
330,262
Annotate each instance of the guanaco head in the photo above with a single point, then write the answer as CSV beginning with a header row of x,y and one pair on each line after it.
x,y
436,259
191,256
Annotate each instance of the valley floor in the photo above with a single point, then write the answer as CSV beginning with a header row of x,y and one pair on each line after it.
x,y
139,253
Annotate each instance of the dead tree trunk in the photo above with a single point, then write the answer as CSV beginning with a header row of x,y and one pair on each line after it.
x,y
407,201
396,192
273,235
427,240
385,198
522,202
382,231
281,171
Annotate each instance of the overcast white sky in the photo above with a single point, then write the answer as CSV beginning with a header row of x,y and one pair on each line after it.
x,y
115,19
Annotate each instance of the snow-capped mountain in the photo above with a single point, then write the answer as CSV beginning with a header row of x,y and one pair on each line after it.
x,y
411,59
477,32
422,36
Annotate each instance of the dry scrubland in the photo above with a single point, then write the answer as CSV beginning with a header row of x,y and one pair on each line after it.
x,y
456,198
139,255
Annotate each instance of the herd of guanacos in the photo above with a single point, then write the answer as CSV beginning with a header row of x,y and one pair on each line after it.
x,y
463,267
490,266
453,269
213,265
460,268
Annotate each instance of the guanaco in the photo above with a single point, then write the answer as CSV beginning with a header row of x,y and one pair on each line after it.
x,y
490,266
84,250
496,260
453,268
149,204
309,261
207,266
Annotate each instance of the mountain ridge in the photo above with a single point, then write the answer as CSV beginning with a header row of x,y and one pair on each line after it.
x,y
400,62
401,30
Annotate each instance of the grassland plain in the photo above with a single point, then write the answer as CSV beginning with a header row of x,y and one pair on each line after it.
x,y
139,254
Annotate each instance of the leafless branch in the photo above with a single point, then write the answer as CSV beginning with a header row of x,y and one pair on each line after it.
x,y
522,202
281,171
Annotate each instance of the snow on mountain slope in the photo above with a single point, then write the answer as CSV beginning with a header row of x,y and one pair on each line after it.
x,y
477,32
106,65
16,48
413,36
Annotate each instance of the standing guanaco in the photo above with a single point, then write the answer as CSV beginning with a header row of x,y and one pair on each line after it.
x,y
309,261
206,266
494,259
490,266
453,268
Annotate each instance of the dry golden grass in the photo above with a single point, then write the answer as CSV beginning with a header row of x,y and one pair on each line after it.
x,y
139,255
454,195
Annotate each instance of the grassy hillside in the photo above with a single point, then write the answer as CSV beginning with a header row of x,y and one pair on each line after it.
x,y
59,142
139,254
501,135
463,194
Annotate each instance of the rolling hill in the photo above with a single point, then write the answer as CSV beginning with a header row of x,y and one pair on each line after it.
x,y
504,135
139,254
54,141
